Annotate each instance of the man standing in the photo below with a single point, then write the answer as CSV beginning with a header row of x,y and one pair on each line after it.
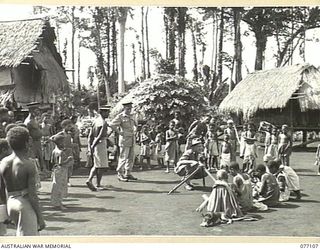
x,y
18,174
230,130
124,125
35,132
98,147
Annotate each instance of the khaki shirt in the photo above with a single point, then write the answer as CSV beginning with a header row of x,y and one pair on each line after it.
x,y
125,126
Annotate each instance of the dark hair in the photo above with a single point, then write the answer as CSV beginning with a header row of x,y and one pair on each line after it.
x,y
273,164
261,168
10,126
65,123
3,110
3,145
93,106
234,165
18,137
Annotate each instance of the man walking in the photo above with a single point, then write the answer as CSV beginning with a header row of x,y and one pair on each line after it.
x,y
98,147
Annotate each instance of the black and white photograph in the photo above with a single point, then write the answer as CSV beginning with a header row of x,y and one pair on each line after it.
x,y
159,121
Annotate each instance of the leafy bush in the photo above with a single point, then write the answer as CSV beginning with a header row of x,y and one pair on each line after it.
x,y
156,99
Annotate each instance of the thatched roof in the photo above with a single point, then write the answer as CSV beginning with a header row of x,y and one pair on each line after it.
x,y
18,39
270,89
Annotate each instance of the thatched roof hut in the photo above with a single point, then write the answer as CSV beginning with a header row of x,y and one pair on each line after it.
x,y
30,66
283,95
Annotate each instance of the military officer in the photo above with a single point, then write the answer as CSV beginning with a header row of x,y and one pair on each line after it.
x,y
124,125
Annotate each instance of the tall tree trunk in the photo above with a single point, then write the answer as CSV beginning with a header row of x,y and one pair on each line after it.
x,y
100,60
213,41
134,60
182,11
194,46
220,45
114,45
172,38
166,28
143,55
237,45
147,43
122,29
78,73
73,30
107,19
261,43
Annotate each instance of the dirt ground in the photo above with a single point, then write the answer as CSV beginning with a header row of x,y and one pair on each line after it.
x,y
144,208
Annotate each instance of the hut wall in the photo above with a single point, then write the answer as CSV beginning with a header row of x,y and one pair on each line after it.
x,y
27,82
297,119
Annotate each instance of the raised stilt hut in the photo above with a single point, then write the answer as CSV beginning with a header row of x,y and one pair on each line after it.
x,y
288,95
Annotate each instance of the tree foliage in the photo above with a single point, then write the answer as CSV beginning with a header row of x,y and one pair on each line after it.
x,y
158,97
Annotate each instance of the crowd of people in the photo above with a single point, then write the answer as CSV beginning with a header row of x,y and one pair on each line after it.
x,y
38,145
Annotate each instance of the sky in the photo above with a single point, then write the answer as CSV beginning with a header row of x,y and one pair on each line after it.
x,y
156,38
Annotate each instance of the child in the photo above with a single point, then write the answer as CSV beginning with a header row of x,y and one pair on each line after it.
x,y
317,163
242,142
62,160
250,152
212,147
145,150
285,146
171,148
4,151
268,191
159,141
273,147
226,152
76,144
66,132
47,145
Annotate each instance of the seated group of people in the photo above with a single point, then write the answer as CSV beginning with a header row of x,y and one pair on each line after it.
x,y
265,187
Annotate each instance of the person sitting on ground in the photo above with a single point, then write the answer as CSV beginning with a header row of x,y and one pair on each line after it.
x,y
281,179
222,198
292,179
18,173
190,160
268,191
242,187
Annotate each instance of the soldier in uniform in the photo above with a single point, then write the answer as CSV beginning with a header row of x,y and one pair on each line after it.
x,y
124,125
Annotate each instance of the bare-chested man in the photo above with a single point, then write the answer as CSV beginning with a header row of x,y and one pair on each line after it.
x,y
285,145
35,132
18,174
